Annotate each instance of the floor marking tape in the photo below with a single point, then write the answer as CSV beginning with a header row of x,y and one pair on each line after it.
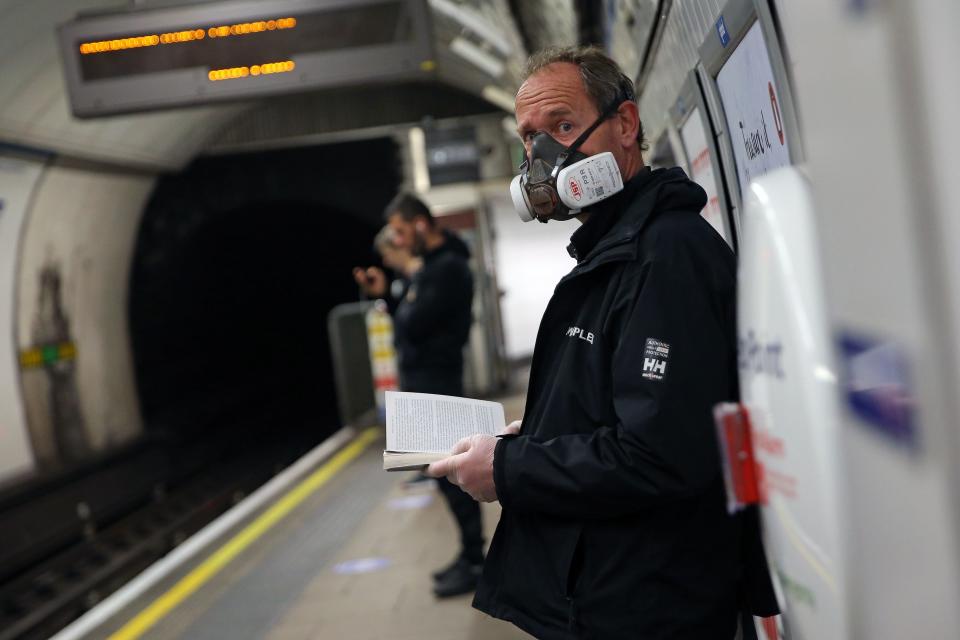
x,y
220,558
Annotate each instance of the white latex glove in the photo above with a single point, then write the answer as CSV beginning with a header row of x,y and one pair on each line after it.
x,y
470,465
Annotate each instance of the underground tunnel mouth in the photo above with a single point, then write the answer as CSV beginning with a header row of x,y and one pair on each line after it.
x,y
230,333
238,260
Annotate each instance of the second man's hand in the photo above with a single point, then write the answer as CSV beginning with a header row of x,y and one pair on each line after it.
x,y
470,465
371,280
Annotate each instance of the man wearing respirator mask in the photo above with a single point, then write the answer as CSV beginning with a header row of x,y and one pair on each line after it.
x,y
614,521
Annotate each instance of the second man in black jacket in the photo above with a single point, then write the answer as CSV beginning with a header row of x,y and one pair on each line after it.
x,y
431,326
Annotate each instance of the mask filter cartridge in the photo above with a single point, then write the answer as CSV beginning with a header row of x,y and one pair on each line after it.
x,y
589,181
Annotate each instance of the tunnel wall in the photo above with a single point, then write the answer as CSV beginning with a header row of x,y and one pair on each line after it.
x,y
73,279
18,176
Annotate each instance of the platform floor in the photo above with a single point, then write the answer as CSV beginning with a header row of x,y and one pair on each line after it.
x,y
395,602
353,560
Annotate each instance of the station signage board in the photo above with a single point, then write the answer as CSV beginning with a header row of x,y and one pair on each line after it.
x,y
144,59
452,155
751,104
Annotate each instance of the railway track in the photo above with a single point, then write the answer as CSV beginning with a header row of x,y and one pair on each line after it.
x,y
52,591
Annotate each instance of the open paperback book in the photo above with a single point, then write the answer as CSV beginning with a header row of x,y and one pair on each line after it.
x,y
423,427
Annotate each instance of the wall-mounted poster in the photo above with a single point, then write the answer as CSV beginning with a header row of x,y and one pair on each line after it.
x,y
751,104
702,172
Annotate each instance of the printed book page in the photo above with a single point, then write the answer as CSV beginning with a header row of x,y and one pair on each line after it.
x,y
428,423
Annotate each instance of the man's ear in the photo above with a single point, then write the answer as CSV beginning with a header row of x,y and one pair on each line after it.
x,y
628,116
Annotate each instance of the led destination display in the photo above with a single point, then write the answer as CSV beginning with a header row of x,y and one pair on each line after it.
x,y
140,60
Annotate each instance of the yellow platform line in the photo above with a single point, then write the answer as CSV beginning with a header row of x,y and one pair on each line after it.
x,y
212,565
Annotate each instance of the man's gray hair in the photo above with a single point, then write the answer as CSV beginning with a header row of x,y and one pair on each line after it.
x,y
602,78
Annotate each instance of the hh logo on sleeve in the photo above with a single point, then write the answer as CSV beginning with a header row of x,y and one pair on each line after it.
x,y
655,357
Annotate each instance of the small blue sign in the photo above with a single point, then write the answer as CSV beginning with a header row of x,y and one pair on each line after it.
x,y
362,565
878,389
415,501
859,6
722,32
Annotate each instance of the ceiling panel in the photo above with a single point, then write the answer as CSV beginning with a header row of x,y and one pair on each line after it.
x,y
34,110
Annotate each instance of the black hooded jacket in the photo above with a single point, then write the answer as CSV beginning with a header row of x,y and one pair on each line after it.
x,y
614,521
432,321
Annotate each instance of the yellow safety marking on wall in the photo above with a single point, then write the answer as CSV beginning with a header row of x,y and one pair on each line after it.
x,y
190,583
47,354
31,358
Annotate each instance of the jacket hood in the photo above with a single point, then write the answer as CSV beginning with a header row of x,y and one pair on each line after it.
x,y
677,190
452,243
647,194
659,190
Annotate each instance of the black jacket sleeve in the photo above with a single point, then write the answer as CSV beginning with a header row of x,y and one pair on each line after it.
x,y
663,446
432,297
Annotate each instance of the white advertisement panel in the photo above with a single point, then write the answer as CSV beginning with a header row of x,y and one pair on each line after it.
x,y
694,138
751,103
789,386
18,176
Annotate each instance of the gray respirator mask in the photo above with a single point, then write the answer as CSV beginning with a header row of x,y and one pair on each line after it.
x,y
558,182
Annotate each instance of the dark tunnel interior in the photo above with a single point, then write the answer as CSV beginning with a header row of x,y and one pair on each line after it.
x,y
238,262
